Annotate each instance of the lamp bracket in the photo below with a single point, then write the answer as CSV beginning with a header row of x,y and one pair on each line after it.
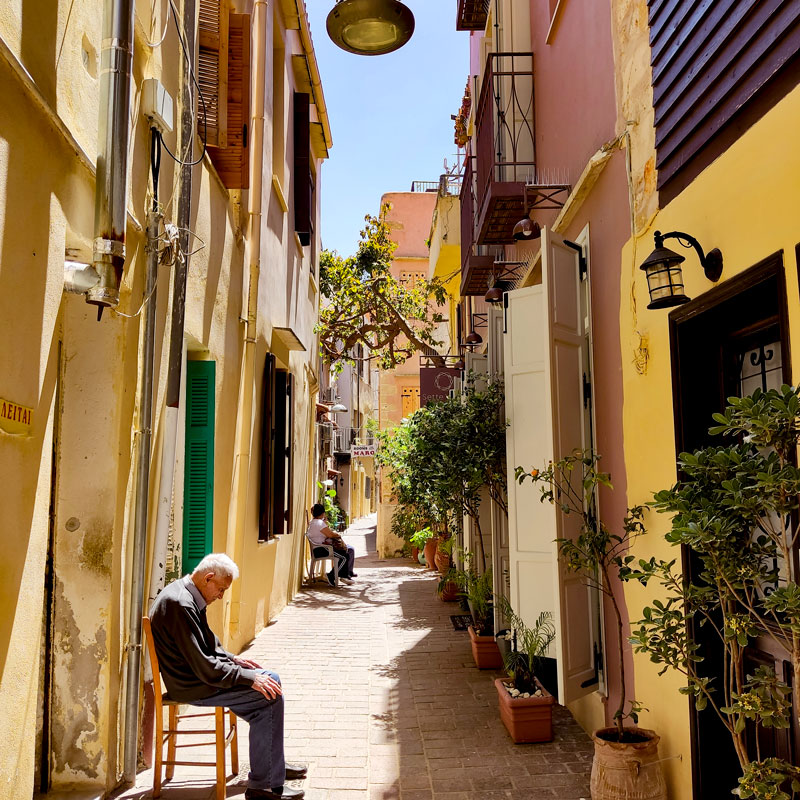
x,y
711,262
545,196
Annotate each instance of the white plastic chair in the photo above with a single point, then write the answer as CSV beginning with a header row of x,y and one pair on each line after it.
x,y
320,560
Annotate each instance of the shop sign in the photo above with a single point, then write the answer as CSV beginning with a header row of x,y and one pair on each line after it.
x,y
362,450
435,383
15,418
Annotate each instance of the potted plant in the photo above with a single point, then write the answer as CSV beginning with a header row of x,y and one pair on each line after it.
x,y
734,508
450,585
425,539
444,552
526,707
599,556
478,592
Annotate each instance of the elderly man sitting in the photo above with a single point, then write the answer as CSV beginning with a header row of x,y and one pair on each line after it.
x,y
197,670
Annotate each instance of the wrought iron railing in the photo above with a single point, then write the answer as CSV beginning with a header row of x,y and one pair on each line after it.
x,y
343,438
467,208
504,123
424,186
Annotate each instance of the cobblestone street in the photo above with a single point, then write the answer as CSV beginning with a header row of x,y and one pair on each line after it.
x,y
384,701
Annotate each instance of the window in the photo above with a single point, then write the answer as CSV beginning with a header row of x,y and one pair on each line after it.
x,y
232,160
411,277
277,446
198,490
303,179
212,71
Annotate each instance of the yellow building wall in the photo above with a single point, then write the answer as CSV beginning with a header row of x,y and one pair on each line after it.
x,y
745,203
79,377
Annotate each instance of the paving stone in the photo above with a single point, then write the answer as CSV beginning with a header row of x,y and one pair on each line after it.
x,y
383,701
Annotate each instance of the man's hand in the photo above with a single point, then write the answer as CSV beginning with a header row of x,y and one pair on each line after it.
x,y
246,662
269,687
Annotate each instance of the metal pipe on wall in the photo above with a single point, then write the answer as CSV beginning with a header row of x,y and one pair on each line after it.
x,y
111,189
144,435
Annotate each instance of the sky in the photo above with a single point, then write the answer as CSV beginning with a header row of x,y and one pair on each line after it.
x,y
390,115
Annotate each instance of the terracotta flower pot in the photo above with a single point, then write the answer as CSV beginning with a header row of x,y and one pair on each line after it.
x,y
442,561
430,553
484,651
449,592
527,719
627,769
415,553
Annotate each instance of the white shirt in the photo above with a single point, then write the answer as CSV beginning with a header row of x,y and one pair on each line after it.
x,y
314,532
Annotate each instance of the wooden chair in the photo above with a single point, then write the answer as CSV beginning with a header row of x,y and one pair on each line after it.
x,y
170,736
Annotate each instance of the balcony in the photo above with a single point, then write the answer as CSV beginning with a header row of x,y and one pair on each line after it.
x,y
344,438
504,146
471,15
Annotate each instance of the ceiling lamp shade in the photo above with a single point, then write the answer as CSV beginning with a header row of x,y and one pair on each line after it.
x,y
338,408
459,364
370,27
494,295
474,338
526,229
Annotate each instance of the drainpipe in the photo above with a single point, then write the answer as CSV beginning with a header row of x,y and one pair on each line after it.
x,y
146,366
241,472
112,160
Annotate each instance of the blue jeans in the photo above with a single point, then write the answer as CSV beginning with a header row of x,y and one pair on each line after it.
x,y
265,717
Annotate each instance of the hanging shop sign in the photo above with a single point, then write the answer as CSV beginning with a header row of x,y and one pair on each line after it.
x,y
14,418
435,383
362,450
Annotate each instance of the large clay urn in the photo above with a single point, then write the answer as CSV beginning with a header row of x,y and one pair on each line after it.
x,y
629,769
430,553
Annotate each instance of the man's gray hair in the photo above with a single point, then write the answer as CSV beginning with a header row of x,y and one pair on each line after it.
x,y
218,563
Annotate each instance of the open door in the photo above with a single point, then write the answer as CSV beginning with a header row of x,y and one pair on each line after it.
x,y
495,342
545,363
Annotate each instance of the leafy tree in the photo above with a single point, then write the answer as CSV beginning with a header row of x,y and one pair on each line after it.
x,y
365,305
444,455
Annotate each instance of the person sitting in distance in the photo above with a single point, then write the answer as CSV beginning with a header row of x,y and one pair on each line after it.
x,y
197,670
319,534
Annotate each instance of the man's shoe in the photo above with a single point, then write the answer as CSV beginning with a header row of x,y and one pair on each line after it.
x,y
347,581
276,793
331,581
353,575
296,772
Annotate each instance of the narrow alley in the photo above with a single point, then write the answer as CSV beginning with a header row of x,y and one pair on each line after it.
x,y
384,701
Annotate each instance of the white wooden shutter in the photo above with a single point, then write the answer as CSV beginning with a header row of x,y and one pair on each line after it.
x,y
544,367
500,556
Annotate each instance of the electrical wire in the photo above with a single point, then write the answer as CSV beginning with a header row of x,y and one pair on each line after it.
x,y
155,162
188,58
153,45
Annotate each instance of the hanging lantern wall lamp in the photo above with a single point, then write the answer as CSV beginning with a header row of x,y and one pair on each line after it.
x,y
503,273
664,274
370,27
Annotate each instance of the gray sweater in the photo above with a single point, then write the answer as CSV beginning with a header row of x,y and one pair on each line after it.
x,y
192,661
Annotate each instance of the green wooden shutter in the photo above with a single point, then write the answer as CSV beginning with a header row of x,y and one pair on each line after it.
x,y
198,489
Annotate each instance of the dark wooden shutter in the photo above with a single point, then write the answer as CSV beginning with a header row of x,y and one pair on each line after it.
x,y
232,161
198,491
289,450
212,71
303,184
265,522
281,442
718,66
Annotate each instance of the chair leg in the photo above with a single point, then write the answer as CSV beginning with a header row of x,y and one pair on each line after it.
x,y
220,726
158,752
171,737
234,744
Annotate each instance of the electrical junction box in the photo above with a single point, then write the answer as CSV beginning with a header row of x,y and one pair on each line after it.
x,y
157,104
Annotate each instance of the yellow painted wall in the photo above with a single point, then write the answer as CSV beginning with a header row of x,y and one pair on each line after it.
x,y
746,204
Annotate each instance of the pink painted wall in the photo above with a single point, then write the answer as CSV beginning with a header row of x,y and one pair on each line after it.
x,y
410,220
576,114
